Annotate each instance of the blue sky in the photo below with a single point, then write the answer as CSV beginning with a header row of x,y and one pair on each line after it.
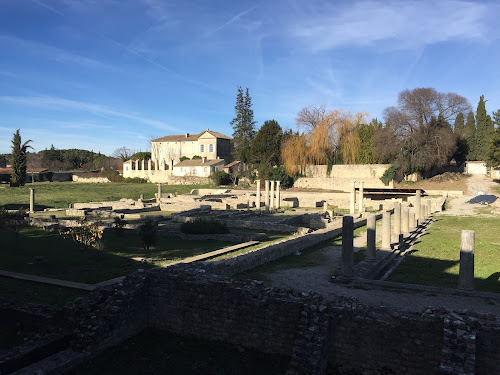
x,y
102,74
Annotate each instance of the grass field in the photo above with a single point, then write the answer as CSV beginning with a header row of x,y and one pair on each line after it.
x,y
157,352
64,260
437,256
61,194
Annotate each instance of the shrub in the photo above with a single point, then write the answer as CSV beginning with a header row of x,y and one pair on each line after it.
x,y
204,226
182,158
148,233
279,174
86,235
118,224
220,178
389,174
135,180
112,175
196,157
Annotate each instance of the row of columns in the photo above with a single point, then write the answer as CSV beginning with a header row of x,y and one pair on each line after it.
x,y
467,248
352,206
272,195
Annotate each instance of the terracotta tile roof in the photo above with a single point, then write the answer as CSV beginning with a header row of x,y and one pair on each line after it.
x,y
199,163
34,170
232,164
189,137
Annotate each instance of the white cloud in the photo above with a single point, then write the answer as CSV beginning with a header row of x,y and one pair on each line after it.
x,y
404,24
55,103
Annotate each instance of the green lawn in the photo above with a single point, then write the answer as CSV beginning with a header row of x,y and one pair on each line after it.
x,y
157,352
437,256
66,261
61,194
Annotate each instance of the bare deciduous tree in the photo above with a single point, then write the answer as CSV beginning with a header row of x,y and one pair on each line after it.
x,y
309,117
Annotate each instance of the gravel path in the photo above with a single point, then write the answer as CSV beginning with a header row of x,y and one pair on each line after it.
x,y
318,278
460,207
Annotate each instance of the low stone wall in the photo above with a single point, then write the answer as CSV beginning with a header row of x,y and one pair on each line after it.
x,y
342,184
90,180
348,170
252,259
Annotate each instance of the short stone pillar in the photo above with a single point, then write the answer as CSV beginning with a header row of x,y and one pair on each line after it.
x,y
466,272
141,197
158,197
411,221
429,207
347,247
32,200
257,196
360,198
386,230
418,207
371,235
248,201
352,198
266,195
278,195
325,207
397,219
271,203
405,217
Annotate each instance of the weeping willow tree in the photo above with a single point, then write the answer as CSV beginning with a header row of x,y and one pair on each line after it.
x,y
334,134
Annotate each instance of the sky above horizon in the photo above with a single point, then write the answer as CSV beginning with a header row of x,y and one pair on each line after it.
x,y
103,74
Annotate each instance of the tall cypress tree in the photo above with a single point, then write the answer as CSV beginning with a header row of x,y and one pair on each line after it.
x,y
470,136
243,125
19,159
484,130
459,125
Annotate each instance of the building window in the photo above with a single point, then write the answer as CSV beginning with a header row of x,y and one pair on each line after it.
x,y
210,148
202,148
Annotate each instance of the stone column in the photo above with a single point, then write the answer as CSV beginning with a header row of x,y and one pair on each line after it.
x,y
429,207
266,195
32,200
353,198
397,218
271,204
466,272
149,164
143,164
418,208
347,247
141,197
278,195
412,223
405,213
257,197
360,196
325,207
386,230
371,249
159,193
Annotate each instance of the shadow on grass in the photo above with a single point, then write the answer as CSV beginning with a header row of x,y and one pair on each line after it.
x,y
437,272
17,206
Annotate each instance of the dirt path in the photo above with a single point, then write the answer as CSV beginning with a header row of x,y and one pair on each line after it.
x,y
460,207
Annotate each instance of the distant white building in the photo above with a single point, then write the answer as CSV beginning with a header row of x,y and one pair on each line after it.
x,y
212,150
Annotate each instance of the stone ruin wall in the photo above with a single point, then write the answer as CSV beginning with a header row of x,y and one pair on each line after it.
x,y
313,333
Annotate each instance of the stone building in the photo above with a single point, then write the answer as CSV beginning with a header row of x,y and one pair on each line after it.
x,y
172,156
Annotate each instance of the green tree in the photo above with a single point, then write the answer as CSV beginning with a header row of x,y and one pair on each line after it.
x,y
365,135
460,125
19,159
496,118
243,125
484,132
470,136
266,146
493,154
